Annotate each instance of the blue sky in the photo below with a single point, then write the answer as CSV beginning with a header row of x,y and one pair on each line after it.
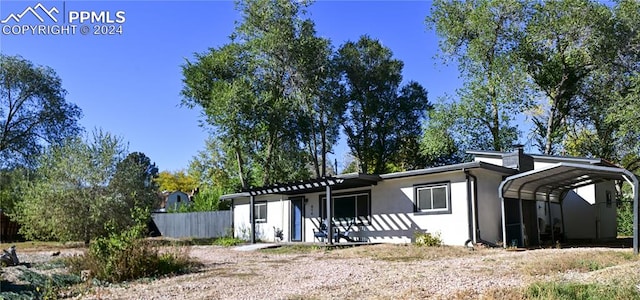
x,y
130,84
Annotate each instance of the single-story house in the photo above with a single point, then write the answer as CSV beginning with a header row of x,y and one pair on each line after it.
x,y
508,199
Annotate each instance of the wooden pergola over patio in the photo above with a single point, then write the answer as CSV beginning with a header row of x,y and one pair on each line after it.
x,y
327,184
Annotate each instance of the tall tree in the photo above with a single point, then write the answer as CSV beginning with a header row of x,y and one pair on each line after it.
x,y
560,48
380,114
133,183
482,35
213,168
318,89
257,90
439,144
176,181
33,111
70,199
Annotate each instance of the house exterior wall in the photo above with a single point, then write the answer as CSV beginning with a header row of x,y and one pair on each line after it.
x,y
489,206
606,210
392,217
588,215
491,160
579,213
278,208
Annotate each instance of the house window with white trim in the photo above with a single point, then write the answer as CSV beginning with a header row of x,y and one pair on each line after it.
x,y
260,212
434,198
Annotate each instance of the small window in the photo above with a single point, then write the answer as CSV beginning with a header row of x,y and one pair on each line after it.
x,y
433,199
260,212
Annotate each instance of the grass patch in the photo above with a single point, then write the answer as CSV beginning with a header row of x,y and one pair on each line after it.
x,y
554,290
163,241
294,249
581,262
404,252
41,246
228,241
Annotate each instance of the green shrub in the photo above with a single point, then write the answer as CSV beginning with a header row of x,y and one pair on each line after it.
x,y
126,256
427,239
228,241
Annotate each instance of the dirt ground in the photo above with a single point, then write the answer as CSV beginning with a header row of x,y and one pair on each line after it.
x,y
365,272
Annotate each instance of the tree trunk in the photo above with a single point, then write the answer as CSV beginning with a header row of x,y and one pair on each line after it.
x,y
240,162
550,126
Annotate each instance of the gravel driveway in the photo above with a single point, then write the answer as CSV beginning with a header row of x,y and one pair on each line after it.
x,y
366,272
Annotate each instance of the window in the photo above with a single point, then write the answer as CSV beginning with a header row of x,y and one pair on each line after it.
x,y
347,207
433,198
260,212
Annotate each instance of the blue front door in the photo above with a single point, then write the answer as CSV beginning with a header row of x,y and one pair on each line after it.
x,y
296,219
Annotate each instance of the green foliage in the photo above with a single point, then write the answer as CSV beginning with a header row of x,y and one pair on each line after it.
x,y
83,185
11,182
39,286
427,239
563,44
176,181
564,290
34,111
483,36
125,255
378,123
438,144
625,219
209,200
257,91
213,167
228,241
69,199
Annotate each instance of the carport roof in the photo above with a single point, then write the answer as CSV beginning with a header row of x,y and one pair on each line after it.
x,y
557,179
553,182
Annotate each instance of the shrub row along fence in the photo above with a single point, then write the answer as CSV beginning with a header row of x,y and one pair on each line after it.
x,y
210,224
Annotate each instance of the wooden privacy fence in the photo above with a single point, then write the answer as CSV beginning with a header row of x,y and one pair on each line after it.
x,y
209,224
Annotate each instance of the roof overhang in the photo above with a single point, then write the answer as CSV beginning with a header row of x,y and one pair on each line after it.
x,y
551,183
450,168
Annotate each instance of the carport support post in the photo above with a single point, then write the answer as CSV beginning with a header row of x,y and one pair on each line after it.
x,y
252,203
329,216
504,221
634,186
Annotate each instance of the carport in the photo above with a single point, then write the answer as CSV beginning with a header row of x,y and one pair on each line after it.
x,y
551,184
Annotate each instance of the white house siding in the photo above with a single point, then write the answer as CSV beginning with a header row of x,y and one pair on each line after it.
x,y
393,219
587,215
489,206
392,211
492,160
278,208
606,214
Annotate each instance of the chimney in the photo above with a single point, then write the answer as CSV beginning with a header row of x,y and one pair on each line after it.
x,y
518,159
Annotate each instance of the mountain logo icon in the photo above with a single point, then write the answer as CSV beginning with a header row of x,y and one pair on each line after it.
x,y
34,11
